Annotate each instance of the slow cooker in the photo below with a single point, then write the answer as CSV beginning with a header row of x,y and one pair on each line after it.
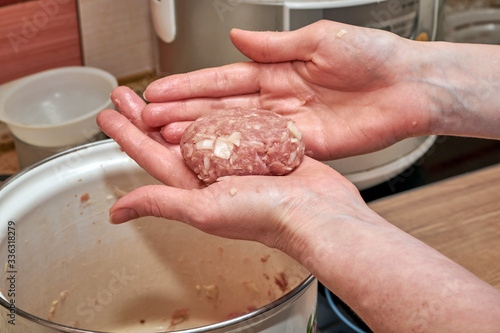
x,y
194,34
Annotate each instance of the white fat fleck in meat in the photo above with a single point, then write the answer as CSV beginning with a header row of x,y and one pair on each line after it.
x,y
222,149
205,144
293,156
256,143
189,152
206,163
234,138
224,145
232,160
294,130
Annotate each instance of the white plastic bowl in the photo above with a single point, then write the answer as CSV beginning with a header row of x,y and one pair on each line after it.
x,y
57,107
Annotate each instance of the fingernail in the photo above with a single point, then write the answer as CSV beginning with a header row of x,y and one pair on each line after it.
x,y
144,93
123,215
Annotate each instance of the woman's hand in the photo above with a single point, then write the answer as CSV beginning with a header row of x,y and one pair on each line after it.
x,y
271,210
346,87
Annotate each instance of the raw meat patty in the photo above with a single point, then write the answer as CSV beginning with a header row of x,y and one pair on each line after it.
x,y
241,142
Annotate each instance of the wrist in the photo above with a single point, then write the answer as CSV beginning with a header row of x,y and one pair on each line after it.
x,y
334,233
460,88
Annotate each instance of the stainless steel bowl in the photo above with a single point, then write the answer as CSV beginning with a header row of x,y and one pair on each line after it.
x,y
68,270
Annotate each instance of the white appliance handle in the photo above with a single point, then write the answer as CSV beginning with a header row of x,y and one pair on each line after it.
x,y
163,15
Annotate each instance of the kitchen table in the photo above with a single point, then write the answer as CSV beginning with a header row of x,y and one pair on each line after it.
x,y
460,217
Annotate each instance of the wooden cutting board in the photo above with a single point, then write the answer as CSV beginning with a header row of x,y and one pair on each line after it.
x,y
459,217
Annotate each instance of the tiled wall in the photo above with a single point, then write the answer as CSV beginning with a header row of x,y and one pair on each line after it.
x,y
37,35
117,36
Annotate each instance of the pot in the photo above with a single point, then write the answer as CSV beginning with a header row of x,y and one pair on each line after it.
x,y
69,270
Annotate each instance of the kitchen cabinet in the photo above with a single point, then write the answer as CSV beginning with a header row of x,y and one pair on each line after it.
x,y
117,36
38,35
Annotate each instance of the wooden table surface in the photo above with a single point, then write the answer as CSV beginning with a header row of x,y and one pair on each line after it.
x,y
459,217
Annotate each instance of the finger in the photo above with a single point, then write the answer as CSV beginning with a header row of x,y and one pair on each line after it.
x,y
155,200
198,208
128,103
132,107
172,133
272,47
160,114
162,162
216,211
229,80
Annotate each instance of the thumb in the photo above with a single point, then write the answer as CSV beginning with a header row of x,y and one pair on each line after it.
x,y
270,47
214,212
156,200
